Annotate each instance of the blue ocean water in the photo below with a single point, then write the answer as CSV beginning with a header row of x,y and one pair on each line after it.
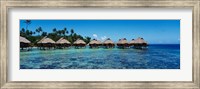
x,y
157,56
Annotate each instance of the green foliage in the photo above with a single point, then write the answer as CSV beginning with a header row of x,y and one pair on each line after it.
x,y
87,39
72,31
54,35
44,33
38,30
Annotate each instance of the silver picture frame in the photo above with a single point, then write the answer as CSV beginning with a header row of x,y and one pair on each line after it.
x,y
4,44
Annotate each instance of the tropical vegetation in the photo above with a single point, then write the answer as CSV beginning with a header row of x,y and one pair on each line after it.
x,y
56,34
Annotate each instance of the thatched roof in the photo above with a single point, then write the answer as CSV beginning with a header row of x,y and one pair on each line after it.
x,y
46,40
79,41
140,41
99,41
24,40
132,41
62,41
122,41
108,41
42,39
94,41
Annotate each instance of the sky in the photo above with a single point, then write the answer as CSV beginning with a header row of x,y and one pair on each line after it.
x,y
153,31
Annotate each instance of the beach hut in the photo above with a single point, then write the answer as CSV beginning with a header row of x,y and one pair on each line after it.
x,y
100,43
62,43
123,43
46,43
39,43
140,43
132,43
79,43
108,43
24,43
95,43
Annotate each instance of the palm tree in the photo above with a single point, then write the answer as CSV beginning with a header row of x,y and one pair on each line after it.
x,y
44,33
27,22
59,32
75,36
72,31
87,39
38,30
54,30
64,31
23,30
67,32
27,32
31,33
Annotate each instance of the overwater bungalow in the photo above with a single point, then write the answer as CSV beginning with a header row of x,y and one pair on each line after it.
x,y
123,43
100,43
140,43
39,43
108,43
132,43
95,43
46,43
62,43
79,43
24,43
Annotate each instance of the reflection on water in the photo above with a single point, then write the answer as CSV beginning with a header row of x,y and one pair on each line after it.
x,y
155,57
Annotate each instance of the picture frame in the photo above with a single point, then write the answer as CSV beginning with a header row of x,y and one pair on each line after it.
x,y
4,43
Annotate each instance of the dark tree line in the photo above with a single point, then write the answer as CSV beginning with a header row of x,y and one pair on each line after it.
x,y
56,34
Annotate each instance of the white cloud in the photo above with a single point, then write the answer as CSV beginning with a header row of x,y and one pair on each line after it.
x,y
95,35
103,38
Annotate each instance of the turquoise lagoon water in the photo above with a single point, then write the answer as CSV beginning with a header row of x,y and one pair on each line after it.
x,y
155,57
